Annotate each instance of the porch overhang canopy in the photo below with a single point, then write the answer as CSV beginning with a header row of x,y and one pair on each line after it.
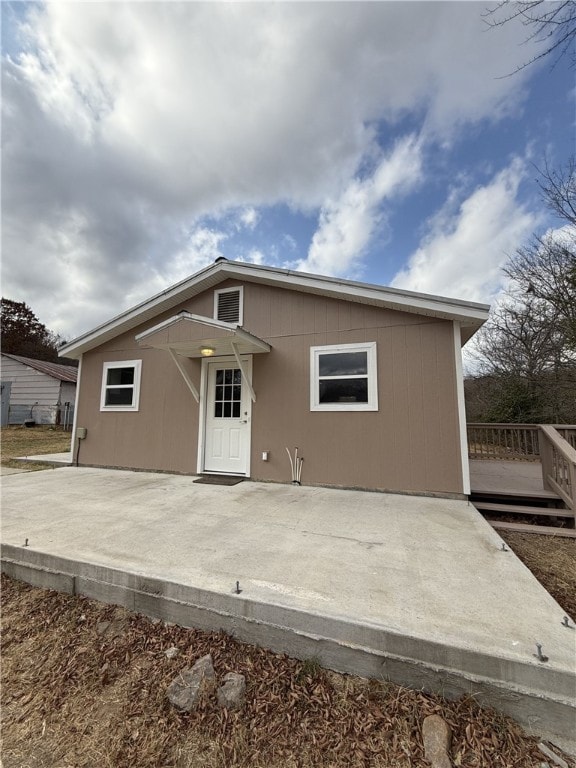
x,y
191,335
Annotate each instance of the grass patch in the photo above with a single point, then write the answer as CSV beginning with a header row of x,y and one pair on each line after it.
x,y
23,441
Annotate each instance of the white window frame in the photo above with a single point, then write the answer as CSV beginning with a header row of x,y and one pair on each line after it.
x,y
315,352
137,365
237,288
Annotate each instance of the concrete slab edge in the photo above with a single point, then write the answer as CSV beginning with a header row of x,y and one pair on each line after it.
x,y
544,713
527,676
40,460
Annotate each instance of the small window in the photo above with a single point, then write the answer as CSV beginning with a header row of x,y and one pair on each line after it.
x,y
121,386
343,378
228,305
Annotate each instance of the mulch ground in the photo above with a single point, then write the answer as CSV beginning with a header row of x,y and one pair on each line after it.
x,y
84,685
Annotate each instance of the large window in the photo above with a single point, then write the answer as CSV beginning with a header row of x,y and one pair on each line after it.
x,y
121,386
343,378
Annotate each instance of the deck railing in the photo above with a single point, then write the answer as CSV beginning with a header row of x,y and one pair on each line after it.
x,y
568,433
504,441
554,445
512,441
558,465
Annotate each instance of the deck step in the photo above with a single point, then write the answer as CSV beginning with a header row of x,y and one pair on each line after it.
x,y
537,496
547,530
521,509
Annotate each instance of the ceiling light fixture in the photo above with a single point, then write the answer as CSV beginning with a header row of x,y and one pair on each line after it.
x,y
207,351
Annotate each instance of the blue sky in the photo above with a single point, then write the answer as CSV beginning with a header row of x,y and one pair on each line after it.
x,y
373,141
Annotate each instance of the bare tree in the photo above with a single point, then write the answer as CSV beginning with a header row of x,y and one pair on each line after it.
x,y
558,189
526,353
526,365
550,22
545,271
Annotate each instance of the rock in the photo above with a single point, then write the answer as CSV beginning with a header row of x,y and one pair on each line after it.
x,y
102,627
171,652
233,693
556,759
437,736
112,629
185,691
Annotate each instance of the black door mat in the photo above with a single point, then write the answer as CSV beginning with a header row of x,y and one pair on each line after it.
x,y
219,480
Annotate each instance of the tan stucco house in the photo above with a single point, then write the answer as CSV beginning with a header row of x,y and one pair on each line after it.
x,y
225,370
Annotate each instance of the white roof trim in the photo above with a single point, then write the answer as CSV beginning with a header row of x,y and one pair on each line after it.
x,y
467,313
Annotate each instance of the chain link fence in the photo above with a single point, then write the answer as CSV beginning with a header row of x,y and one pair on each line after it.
x,y
30,415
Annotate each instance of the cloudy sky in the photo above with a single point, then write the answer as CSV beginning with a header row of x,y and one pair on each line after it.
x,y
377,141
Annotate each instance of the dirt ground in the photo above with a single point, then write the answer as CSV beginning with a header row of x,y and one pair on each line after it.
x,y
84,685
23,441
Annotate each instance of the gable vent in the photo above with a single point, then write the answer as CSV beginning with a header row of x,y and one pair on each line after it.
x,y
228,306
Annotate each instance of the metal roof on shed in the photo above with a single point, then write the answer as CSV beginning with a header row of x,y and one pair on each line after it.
x,y
56,370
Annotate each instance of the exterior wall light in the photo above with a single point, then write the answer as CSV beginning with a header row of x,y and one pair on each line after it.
x,y
207,351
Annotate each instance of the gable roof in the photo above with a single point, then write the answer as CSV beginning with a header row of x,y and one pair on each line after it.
x,y
470,315
56,370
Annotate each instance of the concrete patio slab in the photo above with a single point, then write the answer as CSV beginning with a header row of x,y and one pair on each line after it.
x,y
414,589
12,470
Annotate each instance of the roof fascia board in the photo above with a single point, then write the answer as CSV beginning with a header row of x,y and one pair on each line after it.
x,y
249,338
450,309
404,301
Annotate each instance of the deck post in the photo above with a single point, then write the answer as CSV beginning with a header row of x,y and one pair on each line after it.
x,y
546,459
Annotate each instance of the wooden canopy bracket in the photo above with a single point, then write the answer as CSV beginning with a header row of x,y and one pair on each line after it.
x,y
244,374
185,375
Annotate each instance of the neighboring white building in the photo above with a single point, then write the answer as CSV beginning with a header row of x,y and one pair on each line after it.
x,y
35,390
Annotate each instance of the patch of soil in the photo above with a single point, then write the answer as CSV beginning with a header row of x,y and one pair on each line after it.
x,y
77,693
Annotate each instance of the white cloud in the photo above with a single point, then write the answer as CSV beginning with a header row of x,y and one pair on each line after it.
x,y
254,256
248,218
463,252
125,122
348,223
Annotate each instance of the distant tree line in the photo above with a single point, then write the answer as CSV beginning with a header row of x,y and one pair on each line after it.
x,y
23,334
526,352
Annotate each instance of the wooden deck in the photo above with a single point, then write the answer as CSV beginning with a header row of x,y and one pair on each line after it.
x,y
507,465
518,478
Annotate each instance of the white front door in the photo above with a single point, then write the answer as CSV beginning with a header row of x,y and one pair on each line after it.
x,y
228,412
